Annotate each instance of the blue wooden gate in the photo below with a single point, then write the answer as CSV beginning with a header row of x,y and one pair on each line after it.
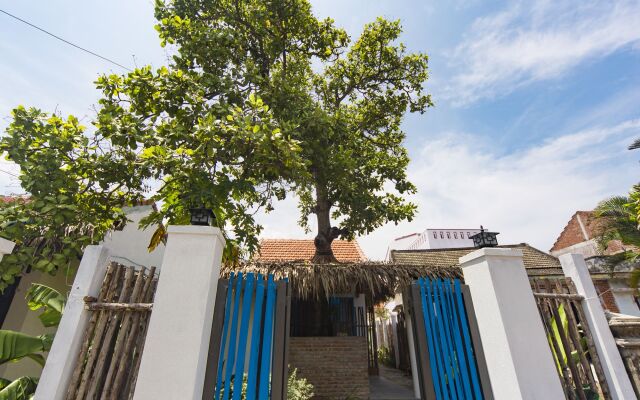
x,y
249,339
450,358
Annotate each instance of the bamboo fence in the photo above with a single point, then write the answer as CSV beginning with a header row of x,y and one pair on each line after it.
x,y
109,359
570,339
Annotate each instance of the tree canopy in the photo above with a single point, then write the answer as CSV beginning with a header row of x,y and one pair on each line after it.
x,y
76,191
342,101
260,99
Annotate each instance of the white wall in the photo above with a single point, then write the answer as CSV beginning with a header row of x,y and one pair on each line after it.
x,y
625,297
441,239
587,248
129,246
401,243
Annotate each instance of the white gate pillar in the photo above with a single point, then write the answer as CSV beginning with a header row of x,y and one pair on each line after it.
x,y
6,247
518,357
574,267
63,355
175,353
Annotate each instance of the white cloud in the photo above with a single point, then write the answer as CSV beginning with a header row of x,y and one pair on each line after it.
x,y
527,195
538,40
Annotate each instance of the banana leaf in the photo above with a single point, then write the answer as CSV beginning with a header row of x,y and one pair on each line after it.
x,y
564,323
15,346
21,389
40,296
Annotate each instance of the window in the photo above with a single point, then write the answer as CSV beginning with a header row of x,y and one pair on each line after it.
x,y
468,234
337,317
455,235
441,235
435,235
461,235
448,235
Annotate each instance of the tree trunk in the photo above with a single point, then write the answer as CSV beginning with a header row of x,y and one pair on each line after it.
x,y
326,233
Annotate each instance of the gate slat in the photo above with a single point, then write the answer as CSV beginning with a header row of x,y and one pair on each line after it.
x,y
279,368
426,305
438,341
595,359
449,340
468,347
231,353
252,379
217,330
225,329
556,349
242,345
460,355
448,333
263,392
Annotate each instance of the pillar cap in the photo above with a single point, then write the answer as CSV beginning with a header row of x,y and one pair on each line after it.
x,y
197,230
6,246
490,252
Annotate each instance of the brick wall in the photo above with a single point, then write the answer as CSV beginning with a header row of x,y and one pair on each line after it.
x,y
606,296
336,366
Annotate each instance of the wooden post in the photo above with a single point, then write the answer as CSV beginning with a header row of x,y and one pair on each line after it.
x,y
427,388
211,374
574,267
279,368
477,344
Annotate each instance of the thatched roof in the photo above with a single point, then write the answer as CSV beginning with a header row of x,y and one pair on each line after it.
x,y
380,280
536,262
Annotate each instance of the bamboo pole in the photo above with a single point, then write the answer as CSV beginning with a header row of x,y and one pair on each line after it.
x,y
127,350
106,347
96,340
121,337
80,362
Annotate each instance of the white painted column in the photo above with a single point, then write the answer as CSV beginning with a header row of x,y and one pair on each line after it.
x,y
575,268
174,359
62,357
515,345
6,247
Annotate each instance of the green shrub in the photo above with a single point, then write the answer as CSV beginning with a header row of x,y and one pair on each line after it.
x,y
386,357
298,388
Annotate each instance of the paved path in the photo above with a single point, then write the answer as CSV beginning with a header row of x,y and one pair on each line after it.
x,y
382,388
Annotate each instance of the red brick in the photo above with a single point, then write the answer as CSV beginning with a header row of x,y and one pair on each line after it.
x,y
337,367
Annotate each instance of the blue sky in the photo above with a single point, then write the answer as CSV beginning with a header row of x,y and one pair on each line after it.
x,y
536,100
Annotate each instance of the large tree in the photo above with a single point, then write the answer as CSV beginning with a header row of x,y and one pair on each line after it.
x,y
260,98
342,101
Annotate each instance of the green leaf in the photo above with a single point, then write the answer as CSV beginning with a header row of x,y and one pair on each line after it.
x,y
39,296
20,389
15,345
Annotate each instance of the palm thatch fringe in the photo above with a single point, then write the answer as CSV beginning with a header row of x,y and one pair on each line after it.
x,y
380,280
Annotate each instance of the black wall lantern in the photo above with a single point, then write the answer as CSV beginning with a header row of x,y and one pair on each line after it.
x,y
485,239
202,216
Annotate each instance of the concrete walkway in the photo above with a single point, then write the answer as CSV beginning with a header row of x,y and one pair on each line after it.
x,y
382,388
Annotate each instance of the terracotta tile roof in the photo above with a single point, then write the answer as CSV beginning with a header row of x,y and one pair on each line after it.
x,y
14,198
537,262
304,249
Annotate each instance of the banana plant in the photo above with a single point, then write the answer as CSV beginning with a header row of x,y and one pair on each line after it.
x,y
15,346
